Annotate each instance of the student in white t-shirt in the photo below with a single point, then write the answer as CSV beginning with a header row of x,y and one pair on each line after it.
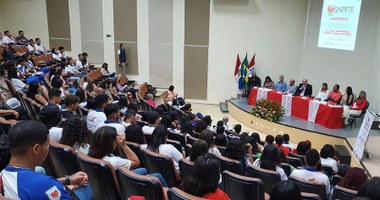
x,y
95,117
16,82
208,136
327,157
310,172
112,112
158,145
270,160
76,134
104,142
51,116
153,119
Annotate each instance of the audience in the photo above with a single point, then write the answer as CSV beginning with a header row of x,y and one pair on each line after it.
x,y
134,133
208,136
198,148
235,150
51,116
97,116
112,112
71,105
327,157
354,179
153,119
270,160
279,141
370,189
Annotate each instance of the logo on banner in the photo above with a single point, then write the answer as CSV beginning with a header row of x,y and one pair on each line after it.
x,y
330,10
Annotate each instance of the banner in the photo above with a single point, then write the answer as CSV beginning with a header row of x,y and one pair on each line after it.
x,y
362,138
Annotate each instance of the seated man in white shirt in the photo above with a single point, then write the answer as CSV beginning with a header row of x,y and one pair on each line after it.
x,y
95,117
38,46
327,157
16,82
130,118
112,112
310,172
8,38
153,119
32,46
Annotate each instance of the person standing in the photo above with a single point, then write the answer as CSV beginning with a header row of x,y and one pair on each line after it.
x,y
122,57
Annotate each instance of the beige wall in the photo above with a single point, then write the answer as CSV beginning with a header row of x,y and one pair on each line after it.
x,y
32,21
375,72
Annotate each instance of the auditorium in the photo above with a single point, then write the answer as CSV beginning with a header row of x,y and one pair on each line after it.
x,y
190,99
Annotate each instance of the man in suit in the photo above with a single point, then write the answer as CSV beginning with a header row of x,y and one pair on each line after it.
x,y
304,89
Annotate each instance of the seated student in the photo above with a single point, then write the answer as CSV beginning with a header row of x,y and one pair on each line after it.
x,y
220,138
327,157
208,121
105,72
16,82
21,39
158,145
324,93
54,97
334,96
198,148
208,136
269,139
76,134
104,142
370,189
257,149
171,95
225,123
123,103
31,47
270,160
150,101
286,139
112,113
71,105
22,68
279,141
203,179
301,149
34,93
29,146
95,117
153,119
285,190
354,179
309,172
130,118
235,150
55,54
133,133
51,116
199,127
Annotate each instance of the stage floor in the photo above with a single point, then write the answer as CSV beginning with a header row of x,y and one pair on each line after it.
x,y
372,165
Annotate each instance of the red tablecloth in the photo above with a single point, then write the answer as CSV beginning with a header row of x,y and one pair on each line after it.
x,y
253,96
329,117
300,107
274,95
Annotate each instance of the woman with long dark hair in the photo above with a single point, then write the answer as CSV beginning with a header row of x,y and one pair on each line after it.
x,y
34,93
270,160
76,134
348,97
285,190
203,179
268,83
235,150
104,142
158,145
198,148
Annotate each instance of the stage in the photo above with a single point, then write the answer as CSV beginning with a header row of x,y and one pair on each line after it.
x,y
300,130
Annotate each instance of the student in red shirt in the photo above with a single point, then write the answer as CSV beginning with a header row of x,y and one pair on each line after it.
x,y
204,179
279,140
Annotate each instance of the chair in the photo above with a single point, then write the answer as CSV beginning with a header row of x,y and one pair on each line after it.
x,y
310,196
230,165
135,148
177,194
175,143
328,170
269,178
295,162
242,187
101,176
63,159
342,193
191,139
336,179
294,155
286,168
177,137
158,163
188,150
361,116
311,187
221,149
134,184
185,167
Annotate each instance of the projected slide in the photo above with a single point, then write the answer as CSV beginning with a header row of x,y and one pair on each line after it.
x,y
339,24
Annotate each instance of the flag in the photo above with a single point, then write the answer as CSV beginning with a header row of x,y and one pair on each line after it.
x,y
244,72
237,65
251,64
